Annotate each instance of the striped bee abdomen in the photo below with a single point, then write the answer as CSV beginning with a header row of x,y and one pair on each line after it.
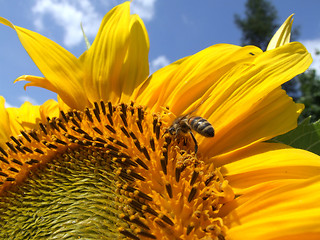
x,y
201,126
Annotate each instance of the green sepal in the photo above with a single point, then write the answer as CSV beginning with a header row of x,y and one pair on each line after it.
x,y
306,136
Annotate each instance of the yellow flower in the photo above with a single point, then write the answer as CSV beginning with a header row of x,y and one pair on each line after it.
x,y
27,117
102,163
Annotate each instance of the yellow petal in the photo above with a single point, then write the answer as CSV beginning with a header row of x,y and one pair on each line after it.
x,y
60,68
62,105
49,109
248,106
245,103
237,126
267,162
5,130
290,211
222,71
13,120
282,36
36,82
117,61
181,84
25,118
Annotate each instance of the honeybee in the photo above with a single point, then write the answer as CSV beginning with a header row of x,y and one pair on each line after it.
x,y
186,123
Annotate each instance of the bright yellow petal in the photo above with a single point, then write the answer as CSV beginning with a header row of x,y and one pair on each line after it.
x,y
282,36
248,106
222,71
49,109
37,82
245,103
290,211
5,130
28,116
270,116
267,162
181,84
62,105
117,61
63,70
13,120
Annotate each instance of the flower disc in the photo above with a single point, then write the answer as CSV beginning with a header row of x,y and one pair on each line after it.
x,y
108,172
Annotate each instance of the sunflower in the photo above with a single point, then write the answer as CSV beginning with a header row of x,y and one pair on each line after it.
x,y
107,162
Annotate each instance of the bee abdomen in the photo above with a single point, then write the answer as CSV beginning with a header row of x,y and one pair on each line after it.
x,y
201,126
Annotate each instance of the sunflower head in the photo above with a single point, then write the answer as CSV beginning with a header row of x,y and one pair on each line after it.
x,y
133,178
176,155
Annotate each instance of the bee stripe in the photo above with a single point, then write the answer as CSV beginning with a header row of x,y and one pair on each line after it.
x,y
209,131
201,126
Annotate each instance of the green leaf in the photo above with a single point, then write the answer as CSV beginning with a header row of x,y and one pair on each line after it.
x,y
305,136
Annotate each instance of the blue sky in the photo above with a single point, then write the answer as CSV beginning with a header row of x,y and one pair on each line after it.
x,y
176,28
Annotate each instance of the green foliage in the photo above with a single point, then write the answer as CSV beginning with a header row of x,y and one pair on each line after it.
x,y
292,89
259,23
310,91
305,136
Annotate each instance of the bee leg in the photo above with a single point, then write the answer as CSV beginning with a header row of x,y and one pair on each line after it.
x,y
195,142
166,131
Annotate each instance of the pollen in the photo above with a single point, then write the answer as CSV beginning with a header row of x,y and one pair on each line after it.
x,y
109,172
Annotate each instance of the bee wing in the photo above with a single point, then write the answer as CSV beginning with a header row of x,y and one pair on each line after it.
x,y
178,119
195,109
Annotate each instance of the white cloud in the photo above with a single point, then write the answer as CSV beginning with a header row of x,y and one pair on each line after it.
x,y
8,105
28,99
68,14
144,8
158,63
313,45
22,99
